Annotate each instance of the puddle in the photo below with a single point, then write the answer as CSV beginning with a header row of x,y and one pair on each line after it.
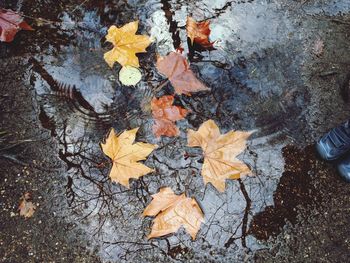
x,y
256,76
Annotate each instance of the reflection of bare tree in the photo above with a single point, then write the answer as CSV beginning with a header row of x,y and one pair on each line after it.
x,y
95,201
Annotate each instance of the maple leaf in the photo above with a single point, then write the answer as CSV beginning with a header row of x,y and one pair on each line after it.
x,y
126,44
10,23
199,32
175,67
220,151
126,155
26,207
165,115
173,211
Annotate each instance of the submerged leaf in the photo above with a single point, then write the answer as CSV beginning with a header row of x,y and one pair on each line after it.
x,y
173,211
126,44
175,67
10,23
126,155
199,32
129,76
220,152
165,115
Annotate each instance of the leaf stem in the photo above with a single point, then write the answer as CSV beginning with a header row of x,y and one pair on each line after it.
x,y
164,83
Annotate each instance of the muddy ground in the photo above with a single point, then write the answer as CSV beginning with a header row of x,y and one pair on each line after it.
x,y
280,68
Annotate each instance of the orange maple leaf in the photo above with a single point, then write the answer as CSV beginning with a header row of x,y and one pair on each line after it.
x,y
173,211
220,152
175,67
199,32
165,115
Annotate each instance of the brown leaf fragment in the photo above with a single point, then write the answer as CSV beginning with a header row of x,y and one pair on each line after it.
x,y
173,211
10,23
26,207
175,67
199,32
126,155
165,115
220,152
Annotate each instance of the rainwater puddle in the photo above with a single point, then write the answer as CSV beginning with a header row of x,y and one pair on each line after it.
x,y
256,80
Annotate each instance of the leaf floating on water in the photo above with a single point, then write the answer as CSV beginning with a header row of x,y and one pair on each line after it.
x,y
220,152
175,67
129,76
126,155
173,211
26,207
10,23
199,32
126,44
165,115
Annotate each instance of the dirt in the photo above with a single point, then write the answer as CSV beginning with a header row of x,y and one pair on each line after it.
x,y
280,68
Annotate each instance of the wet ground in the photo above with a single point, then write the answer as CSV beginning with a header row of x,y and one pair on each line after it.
x,y
281,68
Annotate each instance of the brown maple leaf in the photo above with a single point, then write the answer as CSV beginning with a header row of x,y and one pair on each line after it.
x,y
220,152
165,115
26,207
199,32
175,67
10,23
173,211
126,155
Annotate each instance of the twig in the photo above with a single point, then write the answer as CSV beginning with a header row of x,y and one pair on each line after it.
x,y
161,85
83,3
14,159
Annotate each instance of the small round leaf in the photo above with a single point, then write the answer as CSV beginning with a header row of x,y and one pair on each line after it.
x,y
129,76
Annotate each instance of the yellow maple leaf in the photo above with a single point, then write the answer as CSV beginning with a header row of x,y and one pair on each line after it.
x,y
173,211
126,44
126,155
220,152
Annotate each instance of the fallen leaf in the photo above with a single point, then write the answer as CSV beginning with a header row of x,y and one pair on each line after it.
x,y
173,211
165,115
126,155
175,67
126,44
318,47
10,23
129,76
26,207
199,32
220,152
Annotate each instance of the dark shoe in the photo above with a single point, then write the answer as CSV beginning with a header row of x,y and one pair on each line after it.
x,y
335,143
344,169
